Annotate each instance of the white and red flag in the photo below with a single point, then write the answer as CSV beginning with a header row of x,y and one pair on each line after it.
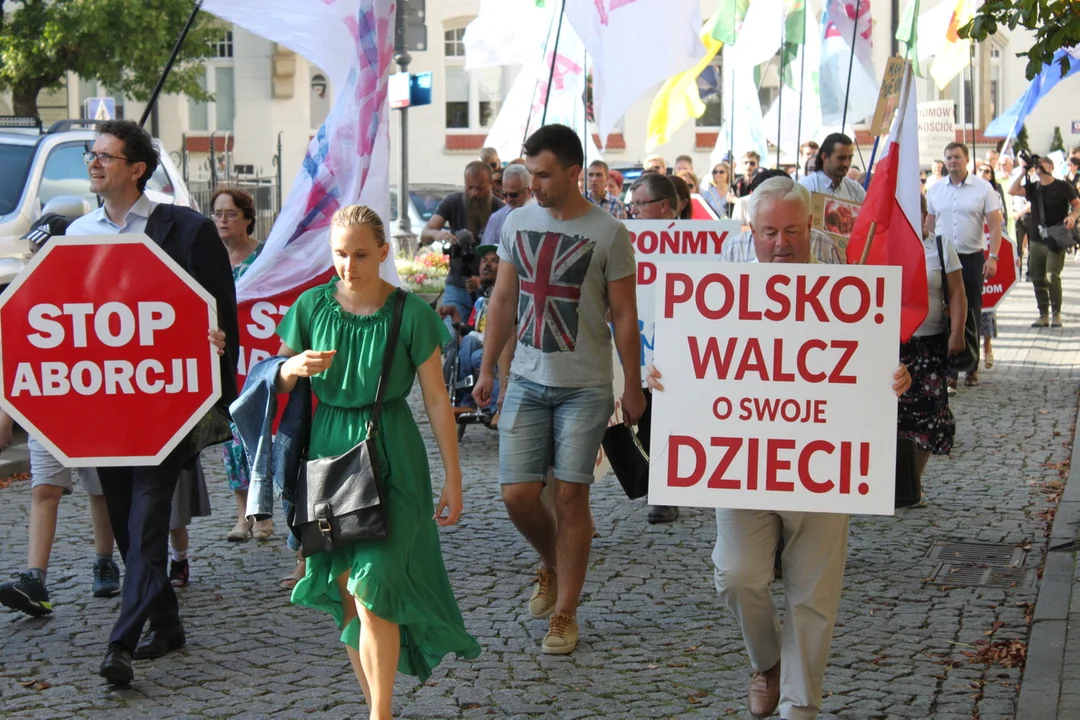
x,y
892,203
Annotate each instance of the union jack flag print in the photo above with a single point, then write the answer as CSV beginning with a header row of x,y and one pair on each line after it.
x,y
551,269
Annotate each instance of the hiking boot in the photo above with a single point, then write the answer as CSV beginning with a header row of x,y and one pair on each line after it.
x,y
1043,321
562,636
106,578
1055,321
542,602
764,694
179,573
27,594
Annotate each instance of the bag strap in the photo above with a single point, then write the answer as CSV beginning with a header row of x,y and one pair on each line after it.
x,y
1042,208
944,275
388,361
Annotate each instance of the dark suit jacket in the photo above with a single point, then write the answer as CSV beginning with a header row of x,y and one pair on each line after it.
x,y
192,240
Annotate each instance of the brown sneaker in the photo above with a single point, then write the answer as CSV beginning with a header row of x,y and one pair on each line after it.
x,y
764,693
546,590
263,529
562,636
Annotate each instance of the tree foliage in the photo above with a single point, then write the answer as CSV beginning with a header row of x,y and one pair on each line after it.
x,y
120,43
1058,142
1056,24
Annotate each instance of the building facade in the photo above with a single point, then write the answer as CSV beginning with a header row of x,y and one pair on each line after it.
x,y
266,95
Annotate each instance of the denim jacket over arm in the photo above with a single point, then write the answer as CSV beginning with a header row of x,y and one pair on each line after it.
x,y
276,460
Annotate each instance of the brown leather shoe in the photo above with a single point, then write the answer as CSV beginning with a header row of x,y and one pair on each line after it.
x,y
764,693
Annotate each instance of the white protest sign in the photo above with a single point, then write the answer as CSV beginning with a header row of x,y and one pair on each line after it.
x,y
657,241
937,128
777,387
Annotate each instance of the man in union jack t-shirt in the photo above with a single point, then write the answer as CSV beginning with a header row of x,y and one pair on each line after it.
x,y
567,264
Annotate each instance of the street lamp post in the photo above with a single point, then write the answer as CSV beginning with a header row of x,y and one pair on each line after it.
x,y
403,233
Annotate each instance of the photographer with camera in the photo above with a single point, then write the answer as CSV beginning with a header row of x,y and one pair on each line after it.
x,y
469,211
1054,211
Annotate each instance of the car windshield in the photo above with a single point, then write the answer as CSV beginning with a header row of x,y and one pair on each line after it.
x,y
426,202
14,166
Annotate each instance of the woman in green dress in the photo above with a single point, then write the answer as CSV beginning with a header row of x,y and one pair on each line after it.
x,y
391,598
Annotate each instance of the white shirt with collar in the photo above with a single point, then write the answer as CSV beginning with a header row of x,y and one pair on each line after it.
x,y
960,211
740,249
98,222
846,189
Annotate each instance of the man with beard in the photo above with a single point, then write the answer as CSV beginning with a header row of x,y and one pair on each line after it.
x,y
469,210
834,162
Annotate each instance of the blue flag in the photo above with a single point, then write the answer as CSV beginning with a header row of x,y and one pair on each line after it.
x,y
1009,123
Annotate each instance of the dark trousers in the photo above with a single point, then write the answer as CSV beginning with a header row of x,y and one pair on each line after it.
x,y
139,501
971,269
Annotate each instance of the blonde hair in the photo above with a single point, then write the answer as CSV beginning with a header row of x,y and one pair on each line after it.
x,y
359,215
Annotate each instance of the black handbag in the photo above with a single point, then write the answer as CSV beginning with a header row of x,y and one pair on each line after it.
x,y
340,500
629,459
1058,238
967,359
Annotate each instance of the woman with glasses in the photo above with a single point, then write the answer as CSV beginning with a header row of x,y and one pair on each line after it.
x,y
234,216
716,194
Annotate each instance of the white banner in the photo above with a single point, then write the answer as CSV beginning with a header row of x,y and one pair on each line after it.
x,y
778,387
658,241
937,128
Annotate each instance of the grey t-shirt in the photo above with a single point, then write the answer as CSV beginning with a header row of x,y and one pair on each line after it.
x,y
564,267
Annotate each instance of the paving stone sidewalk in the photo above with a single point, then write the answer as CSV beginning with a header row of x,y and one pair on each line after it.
x,y
656,642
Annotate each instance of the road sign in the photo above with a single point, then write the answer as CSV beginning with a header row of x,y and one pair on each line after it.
x,y
398,90
996,288
104,354
100,108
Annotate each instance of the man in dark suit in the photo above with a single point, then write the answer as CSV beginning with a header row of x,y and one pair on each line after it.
x,y
140,498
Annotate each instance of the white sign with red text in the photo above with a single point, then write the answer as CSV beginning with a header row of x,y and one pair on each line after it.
x,y
658,241
777,387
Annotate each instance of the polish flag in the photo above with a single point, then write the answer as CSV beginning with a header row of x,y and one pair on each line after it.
x,y
892,202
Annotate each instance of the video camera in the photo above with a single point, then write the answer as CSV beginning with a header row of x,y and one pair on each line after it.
x,y
465,247
1030,161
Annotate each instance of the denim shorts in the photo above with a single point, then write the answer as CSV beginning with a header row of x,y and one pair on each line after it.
x,y
543,426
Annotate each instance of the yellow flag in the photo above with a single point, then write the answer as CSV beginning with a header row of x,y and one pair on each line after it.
x,y
955,54
678,99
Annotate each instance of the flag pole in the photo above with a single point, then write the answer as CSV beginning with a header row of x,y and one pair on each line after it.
x,y
851,61
554,54
152,102
802,97
780,94
528,118
869,239
971,74
873,154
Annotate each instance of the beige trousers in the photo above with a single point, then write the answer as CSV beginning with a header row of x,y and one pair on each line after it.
x,y
814,555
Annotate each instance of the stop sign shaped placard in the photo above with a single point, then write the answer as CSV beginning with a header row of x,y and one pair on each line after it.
x,y
104,354
996,288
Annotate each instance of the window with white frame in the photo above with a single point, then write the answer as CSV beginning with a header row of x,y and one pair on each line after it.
x,y
220,114
473,99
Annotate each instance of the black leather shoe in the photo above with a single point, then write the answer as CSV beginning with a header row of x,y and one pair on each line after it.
x,y
158,642
663,514
116,667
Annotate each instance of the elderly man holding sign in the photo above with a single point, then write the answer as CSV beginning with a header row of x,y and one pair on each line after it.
x,y
795,343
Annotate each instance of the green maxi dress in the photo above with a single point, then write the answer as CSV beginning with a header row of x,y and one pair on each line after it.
x,y
401,578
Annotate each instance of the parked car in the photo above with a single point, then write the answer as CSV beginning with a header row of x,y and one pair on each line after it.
x,y
40,167
424,199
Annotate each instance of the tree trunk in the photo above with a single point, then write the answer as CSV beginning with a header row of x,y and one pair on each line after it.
x,y
24,98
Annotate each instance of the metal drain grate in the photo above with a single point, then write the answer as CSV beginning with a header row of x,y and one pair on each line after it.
x,y
967,575
957,553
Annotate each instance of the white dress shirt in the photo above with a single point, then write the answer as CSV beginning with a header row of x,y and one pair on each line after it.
x,y
741,249
846,189
960,211
98,222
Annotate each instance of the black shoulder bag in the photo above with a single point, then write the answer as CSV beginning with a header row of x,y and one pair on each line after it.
x,y
1058,238
340,501
967,359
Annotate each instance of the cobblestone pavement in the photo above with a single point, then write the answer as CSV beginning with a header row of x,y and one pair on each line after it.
x,y
656,642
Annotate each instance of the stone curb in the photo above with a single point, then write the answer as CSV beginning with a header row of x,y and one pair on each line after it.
x,y
1040,688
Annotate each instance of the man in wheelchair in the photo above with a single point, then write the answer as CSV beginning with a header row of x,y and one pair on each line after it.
x,y
461,364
